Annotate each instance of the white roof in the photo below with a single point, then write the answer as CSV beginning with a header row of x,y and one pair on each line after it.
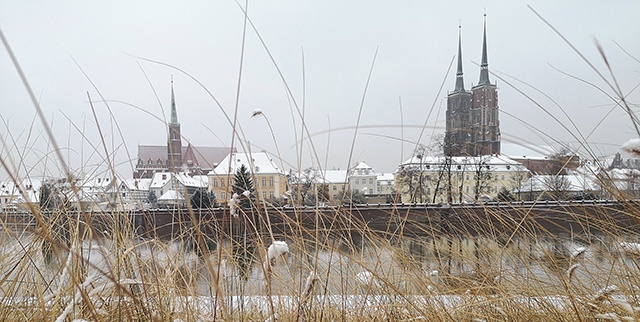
x,y
171,195
257,163
138,184
30,188
385,177
333,176
623,178
495,162
576,182
97,182
160,179
195,181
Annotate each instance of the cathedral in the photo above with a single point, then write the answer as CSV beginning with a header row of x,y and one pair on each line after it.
x,y
174,157
473,127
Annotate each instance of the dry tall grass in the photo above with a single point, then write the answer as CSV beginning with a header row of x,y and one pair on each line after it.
x,y
80,265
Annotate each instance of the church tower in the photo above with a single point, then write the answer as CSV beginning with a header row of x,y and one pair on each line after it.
x,y
457,135
174,144
485,124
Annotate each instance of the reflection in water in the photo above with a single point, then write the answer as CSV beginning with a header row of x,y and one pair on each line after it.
x,y
343,266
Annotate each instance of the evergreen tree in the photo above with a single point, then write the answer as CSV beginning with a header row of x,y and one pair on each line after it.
x,y
151,198
243,246
242,182
203,198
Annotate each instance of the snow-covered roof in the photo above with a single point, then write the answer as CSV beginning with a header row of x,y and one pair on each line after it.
x,y
27,186
574,182
171,195
526,151
333,176
385,177
623,179
160,179
434,163
138,184
192,181
257,163
97,182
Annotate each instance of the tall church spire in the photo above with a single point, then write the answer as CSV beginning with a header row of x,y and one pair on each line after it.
x,y
484,66
459,79
174,112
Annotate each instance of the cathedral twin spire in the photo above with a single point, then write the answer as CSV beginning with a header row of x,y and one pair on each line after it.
x,y
484,65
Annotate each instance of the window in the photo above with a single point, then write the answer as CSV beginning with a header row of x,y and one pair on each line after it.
x,y
502,177
271,194
466,189
223,195
370,191
222,183
356,181
264,182
270,181
335,188
215,182
370,180
264,195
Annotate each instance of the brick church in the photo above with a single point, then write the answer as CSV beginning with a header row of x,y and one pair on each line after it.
x,y
174,157
473,126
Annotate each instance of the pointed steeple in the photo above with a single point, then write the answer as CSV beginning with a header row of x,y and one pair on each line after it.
x,y
174,112
459,79
484,66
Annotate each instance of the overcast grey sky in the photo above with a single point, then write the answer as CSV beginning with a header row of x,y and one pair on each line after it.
x,y
417,40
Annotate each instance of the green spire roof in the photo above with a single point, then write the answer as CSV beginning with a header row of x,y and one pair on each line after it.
x,y
484,66
459,79
174,112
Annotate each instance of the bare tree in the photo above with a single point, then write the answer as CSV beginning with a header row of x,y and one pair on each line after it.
x,y
558,186
517,179
483,177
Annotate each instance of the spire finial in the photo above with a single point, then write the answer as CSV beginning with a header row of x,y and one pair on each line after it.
x,y
174,112
484,65
459,78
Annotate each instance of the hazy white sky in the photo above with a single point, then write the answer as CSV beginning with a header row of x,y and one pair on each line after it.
x,y
324,51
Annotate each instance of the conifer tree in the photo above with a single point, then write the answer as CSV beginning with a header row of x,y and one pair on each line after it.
x,y
242,182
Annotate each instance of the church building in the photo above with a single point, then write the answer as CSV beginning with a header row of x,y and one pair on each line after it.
x,y
473,126
174,157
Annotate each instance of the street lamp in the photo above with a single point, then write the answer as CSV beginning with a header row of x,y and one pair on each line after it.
x,y
258,112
